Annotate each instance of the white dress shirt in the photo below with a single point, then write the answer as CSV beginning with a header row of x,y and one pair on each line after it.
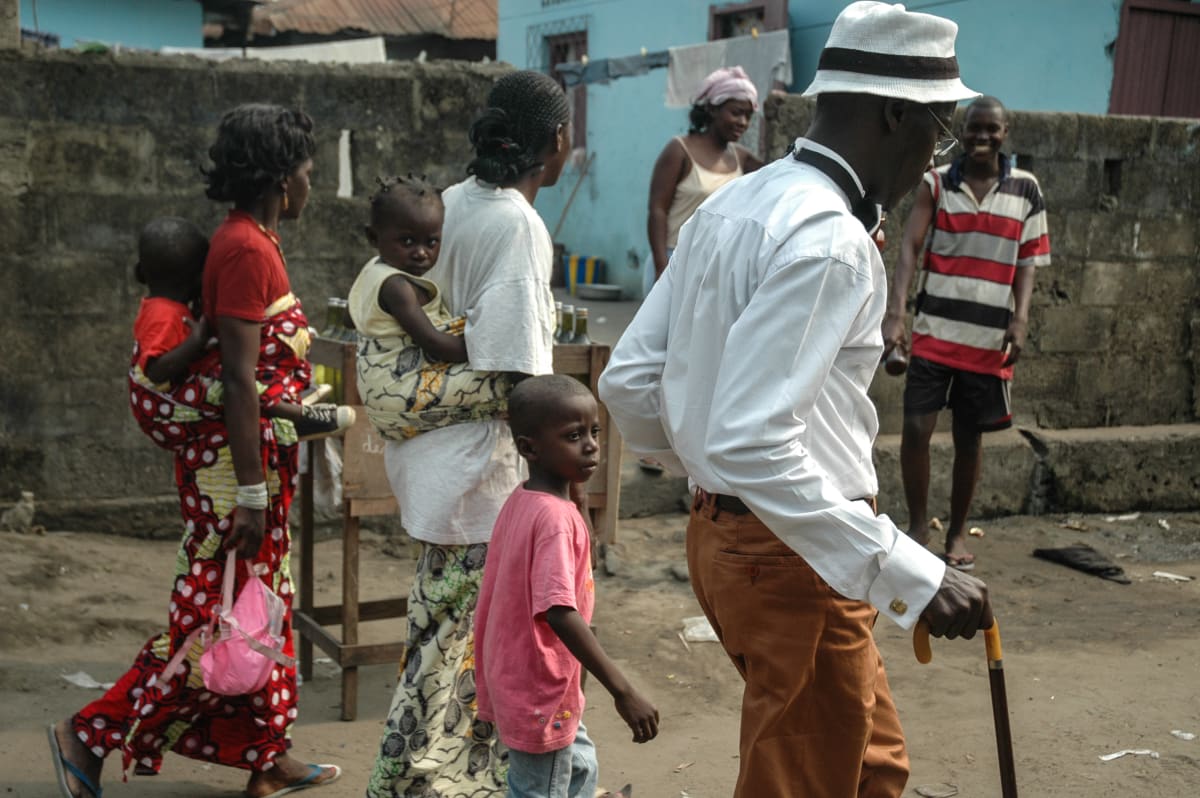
x,y
750,362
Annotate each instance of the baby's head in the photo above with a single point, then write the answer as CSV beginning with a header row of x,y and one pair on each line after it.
x,y
555,423
406,223
171,253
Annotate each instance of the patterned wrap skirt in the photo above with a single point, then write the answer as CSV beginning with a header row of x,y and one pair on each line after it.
x,y
143,715
433,744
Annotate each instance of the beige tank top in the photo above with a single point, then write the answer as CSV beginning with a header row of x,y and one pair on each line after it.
x,y
692,191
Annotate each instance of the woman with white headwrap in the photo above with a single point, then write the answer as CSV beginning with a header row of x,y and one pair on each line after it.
x,y
692,167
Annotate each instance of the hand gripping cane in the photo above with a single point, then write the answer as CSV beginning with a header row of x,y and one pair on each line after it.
x,y
1004,749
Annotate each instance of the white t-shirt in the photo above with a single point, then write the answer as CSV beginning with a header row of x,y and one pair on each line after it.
x,y
494,268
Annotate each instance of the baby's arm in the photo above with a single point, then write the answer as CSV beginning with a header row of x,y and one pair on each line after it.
x,y
633,708
173,365
398,297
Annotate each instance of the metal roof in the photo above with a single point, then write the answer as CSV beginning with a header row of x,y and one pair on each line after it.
x,y
453,19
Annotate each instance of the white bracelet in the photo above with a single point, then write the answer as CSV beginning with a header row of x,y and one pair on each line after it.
x,y
253,497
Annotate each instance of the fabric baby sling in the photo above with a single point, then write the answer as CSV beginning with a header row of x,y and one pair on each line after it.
x,y
405,392
239,659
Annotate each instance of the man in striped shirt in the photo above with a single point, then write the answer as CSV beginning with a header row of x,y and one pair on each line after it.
x,y
980,225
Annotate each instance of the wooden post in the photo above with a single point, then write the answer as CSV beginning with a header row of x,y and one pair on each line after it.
x,y
10,24
307,530
349,609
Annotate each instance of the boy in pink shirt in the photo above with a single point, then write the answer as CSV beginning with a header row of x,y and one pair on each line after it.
x,y
538,595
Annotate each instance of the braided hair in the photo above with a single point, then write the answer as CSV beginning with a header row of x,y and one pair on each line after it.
x,y
257,146
525,110
397,189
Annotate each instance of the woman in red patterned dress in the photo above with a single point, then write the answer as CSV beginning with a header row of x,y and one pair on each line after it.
x,y
236,476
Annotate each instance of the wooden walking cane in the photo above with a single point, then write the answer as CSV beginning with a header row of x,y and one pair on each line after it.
x,y
1004,749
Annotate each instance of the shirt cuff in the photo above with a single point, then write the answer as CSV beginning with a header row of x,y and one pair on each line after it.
x,y
907,582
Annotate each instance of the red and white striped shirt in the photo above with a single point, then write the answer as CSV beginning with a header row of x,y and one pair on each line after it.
x,y
971,257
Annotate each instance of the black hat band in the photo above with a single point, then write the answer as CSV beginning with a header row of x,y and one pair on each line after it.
x,y
913,67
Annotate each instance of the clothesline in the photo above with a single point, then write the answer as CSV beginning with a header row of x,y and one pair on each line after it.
x,y
603,70
766,56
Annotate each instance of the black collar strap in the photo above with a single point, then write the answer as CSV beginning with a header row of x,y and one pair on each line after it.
x,y
862,208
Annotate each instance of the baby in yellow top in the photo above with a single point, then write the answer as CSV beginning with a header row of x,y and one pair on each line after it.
x,y
412,358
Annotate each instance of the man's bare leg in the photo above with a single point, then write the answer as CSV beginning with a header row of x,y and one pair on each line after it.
x,y
914,469
968,465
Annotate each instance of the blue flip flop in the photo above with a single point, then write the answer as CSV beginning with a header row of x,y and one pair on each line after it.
x,y
62,765
314,772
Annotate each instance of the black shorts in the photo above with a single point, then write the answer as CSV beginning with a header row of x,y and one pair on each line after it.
x,y
978,399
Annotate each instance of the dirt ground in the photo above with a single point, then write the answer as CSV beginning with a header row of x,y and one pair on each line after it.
x,y
1092,667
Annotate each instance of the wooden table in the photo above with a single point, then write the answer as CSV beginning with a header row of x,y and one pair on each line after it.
x,y
365,492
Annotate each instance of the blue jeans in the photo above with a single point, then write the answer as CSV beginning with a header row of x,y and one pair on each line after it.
x,y
569,772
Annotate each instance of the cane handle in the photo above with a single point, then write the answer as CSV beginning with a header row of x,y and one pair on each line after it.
x,y
921,645
924,651
991,637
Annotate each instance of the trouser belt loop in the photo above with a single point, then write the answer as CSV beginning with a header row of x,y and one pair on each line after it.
x,y
706,503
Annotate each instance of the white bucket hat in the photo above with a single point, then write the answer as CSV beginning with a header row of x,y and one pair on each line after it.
x,y
882,49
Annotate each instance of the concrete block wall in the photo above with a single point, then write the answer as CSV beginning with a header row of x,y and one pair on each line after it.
x,y
92,147
1113,329
10,24
1035,472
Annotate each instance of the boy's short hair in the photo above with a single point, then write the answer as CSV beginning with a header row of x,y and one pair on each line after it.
x,y
536,401
170,249
988,102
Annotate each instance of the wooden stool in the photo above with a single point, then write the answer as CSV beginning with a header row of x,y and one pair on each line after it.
x,y
363,454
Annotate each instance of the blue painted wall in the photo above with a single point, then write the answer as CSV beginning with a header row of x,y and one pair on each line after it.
x,y
1046,55
148,24
1035,55
628,124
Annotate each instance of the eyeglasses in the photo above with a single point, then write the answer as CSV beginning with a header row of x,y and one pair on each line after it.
x,y
946,144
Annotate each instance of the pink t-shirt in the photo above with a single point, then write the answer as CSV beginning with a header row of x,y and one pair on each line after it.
x,y
527,682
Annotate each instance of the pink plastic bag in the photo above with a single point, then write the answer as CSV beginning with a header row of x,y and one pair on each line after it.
x,y
250,640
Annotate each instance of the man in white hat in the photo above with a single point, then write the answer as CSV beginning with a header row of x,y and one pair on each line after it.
x,y
748,364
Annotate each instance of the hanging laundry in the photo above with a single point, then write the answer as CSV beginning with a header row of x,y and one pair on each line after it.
x,y
602,70
633,65
575,73
767,59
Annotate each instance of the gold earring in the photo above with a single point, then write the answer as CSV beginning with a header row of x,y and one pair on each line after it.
x,y
285,202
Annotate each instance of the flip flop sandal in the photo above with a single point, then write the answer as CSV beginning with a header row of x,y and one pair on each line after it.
x,y
62,765
960,562
314,772
650,465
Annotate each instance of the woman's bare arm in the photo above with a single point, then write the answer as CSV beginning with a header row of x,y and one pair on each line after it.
x,y
240,340
670,168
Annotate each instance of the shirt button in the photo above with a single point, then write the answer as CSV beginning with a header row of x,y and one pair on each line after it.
x,y
899,606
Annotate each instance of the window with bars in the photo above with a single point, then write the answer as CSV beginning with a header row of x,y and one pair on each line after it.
x,y
563,48
741,19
